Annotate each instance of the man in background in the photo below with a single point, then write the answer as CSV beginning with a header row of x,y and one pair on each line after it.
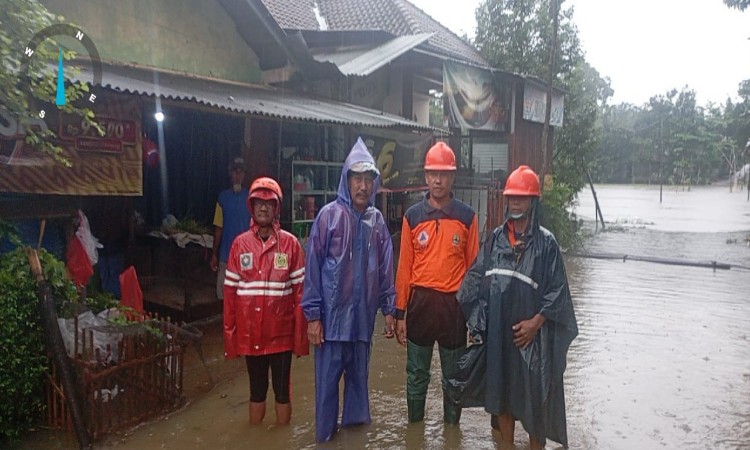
x,y
230,219
112,222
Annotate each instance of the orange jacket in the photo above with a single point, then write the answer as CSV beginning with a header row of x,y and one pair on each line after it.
x,y
437,248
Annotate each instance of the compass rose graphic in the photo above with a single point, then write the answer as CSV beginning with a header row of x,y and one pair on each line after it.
x,y
57,31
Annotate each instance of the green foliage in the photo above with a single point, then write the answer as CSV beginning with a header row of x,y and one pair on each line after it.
x,y
23,94
22,359
674,140
99,301
437,117
192,226
7,231
515,35
556,217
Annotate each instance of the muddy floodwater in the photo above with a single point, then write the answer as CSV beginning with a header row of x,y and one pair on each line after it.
x,y
662,359
663,355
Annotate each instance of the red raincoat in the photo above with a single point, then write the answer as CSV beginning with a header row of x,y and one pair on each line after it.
x,y
262,293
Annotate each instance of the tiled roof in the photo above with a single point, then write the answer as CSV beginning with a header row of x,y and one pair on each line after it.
x,y
397,17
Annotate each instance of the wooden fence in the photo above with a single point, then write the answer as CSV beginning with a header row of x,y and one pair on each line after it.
x,y
144,382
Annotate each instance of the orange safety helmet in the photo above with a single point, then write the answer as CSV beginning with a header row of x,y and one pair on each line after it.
x,y
440,157
265,188
522,181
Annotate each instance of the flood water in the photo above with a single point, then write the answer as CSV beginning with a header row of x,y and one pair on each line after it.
x,y
663,355
662,359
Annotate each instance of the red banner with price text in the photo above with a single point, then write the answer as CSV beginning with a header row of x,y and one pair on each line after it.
x,y
108,164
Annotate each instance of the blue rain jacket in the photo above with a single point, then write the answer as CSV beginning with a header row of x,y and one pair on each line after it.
x,y
349,264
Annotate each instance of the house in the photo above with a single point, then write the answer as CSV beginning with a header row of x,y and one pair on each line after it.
x,y
392,56
287,84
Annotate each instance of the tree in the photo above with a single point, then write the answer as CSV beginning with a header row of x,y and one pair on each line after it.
x,y
23,94
672,139
515,36
738,4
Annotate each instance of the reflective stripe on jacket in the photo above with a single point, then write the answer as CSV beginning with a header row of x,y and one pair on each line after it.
x,y
262,293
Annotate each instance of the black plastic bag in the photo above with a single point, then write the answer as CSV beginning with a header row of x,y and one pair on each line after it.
x,y
466,387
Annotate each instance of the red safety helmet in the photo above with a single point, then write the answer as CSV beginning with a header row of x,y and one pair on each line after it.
x,y
440,157
265,188
522,181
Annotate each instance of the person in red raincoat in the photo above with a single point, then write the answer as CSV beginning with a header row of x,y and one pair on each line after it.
x,y
263,320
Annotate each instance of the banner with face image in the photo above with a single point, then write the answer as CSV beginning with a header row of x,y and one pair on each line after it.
x,y
474,99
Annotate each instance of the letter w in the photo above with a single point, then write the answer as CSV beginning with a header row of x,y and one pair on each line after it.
x,y
28,52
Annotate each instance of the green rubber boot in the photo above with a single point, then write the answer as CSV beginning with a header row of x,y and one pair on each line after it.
x,y
448,364
416,409
418,361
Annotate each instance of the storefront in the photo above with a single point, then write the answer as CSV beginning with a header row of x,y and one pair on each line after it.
x,y
178,165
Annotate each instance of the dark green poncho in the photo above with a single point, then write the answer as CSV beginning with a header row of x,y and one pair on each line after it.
x,y
500,290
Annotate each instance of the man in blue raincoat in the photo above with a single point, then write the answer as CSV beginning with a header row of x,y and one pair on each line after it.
x,y
517,304
348,276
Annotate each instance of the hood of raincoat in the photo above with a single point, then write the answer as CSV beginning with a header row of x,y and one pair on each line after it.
x,y
349,264
359,153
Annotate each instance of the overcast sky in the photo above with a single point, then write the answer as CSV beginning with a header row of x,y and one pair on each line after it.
x,y
647,47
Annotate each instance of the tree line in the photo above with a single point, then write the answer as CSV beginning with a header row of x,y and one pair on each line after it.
x,y
670,139
674,140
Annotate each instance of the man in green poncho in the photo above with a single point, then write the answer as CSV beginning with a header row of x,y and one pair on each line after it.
x,y
517,303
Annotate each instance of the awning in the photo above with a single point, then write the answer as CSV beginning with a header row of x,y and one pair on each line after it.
x,y
247,99
364,60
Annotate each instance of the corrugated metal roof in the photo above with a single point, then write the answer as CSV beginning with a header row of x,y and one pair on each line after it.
x,y
364,61
397,17
248,99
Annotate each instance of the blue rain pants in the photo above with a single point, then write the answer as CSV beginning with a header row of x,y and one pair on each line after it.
x,y
332,360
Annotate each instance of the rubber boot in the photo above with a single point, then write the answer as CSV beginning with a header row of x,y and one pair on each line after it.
x,y
451,412
448,364
416,409
283,413
257,412
418,361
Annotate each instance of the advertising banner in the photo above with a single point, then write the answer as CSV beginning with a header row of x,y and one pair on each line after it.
x,y
108,164
473,99
399,157
535,104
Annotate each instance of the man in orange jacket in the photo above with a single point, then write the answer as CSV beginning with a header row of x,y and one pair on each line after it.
x,y
262,292
439,242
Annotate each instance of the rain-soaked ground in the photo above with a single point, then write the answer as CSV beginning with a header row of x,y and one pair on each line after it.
x,y
662,359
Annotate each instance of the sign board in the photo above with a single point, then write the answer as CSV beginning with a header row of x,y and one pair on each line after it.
x,y
535,105
399,157
101,165
474,99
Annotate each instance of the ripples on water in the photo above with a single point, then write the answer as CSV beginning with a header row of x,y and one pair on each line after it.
x,y
663,356
662,359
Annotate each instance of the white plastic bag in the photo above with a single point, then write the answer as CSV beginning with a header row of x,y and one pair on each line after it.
x,y
106,342
90,243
